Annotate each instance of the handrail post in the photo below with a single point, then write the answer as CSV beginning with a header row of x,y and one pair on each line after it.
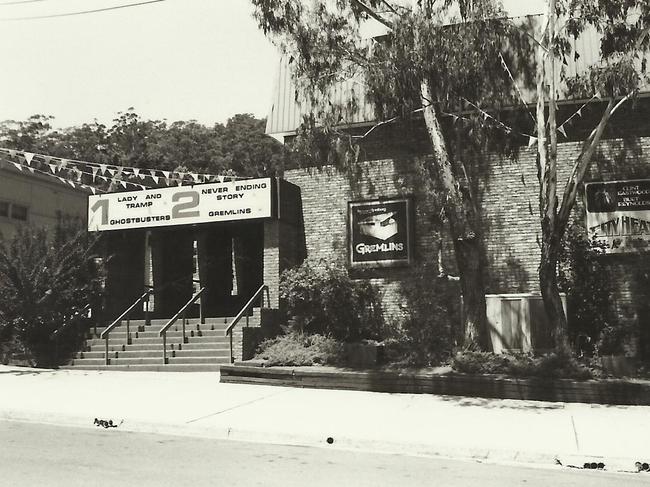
x,y
147,319
201,317
106,359
232,357
128,331
164,337
184,339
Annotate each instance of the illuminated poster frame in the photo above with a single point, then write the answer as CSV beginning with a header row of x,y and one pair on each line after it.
x,y
380,232
618,215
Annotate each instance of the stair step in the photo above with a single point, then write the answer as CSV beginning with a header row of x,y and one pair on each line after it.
x,y
149,368
197,352
150,361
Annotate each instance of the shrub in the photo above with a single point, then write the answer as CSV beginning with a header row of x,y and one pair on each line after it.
x,y
520,365
427,335
584,277
296,349
321,298
46,280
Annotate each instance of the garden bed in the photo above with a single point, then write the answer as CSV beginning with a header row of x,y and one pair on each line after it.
x,y
443,382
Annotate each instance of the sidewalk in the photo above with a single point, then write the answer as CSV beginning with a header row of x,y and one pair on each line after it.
x,y
196,404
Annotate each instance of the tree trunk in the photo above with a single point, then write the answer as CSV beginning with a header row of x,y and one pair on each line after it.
x,y
469,261
466,238
550,291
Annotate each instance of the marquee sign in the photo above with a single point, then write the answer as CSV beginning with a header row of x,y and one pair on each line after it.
x,y
181,205
618,215
380,232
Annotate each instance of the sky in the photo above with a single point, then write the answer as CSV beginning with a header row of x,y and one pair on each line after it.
x,y
203,60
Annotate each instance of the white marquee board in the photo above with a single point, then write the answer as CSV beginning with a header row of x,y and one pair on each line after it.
x,y
181,205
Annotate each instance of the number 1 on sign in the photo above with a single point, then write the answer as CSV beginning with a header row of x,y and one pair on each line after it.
x,y
103,205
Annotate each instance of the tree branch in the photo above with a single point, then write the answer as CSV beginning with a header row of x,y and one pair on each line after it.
x,y
373,14
582,162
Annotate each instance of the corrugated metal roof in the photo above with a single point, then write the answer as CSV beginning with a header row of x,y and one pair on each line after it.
x,y
287,111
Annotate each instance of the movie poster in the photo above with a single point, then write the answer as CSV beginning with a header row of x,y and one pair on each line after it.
x,y
618,215
380,232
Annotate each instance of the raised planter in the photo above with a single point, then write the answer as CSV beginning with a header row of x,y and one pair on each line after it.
x,y
562,390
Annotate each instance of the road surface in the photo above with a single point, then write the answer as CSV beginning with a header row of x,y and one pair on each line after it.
x,y
55,456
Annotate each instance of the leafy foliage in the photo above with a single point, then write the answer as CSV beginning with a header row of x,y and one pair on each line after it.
x,y
520,365
584,277
46,281
321,298
240,146
297,349
427,335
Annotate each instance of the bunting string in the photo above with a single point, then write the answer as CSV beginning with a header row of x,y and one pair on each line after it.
x,y
514,83
114,173
21,167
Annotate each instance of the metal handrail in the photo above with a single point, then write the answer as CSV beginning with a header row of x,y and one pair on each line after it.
x,y
241,313
163,330
118,320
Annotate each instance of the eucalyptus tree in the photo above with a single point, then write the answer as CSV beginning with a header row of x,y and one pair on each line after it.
x,y
616,76
433,58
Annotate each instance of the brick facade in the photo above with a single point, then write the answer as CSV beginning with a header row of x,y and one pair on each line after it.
x,y
508,193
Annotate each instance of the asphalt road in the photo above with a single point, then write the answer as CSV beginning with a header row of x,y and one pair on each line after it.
x,y
51,456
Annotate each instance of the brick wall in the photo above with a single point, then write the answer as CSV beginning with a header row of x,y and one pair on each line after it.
x,y
508,193
325,196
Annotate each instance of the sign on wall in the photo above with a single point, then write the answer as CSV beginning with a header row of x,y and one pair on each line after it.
x,y
181,205
618,215
380,232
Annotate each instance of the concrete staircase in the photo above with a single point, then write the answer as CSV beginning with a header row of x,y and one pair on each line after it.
x,y
207,347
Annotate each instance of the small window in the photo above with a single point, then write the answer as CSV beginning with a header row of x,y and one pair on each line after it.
x,y
19,212
4,208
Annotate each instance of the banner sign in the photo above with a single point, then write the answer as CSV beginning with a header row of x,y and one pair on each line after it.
x,y
181,205
618,215
380,232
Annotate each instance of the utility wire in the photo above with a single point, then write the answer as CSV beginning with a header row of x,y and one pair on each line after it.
x,y
19,2
83,12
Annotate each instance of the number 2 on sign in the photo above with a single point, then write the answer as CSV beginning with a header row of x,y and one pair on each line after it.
x,y
181,210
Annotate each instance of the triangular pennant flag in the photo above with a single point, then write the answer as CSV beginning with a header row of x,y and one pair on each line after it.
x,y
155,178
112,171
12,152
195,177
562,131
46,159
579,112
28,157
52,168
166,173
94,170
136,171
531,141
31,169
220,178
71,183
103,168
63,163
142,186
122,183
18,166
61,179
168,181
92,189
142,176
103,178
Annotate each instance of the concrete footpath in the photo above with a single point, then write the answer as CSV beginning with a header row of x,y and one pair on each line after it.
x,y
196,404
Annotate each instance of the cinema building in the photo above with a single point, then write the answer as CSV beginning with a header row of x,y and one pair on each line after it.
x,y
198,265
